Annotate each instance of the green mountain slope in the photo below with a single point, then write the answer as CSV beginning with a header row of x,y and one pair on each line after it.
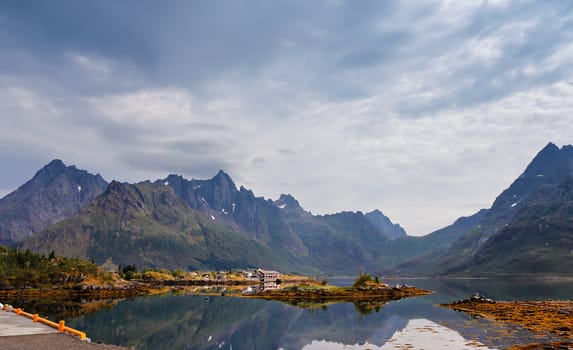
x,y
149,226
340,243
538,239
416,254
253,217
528,230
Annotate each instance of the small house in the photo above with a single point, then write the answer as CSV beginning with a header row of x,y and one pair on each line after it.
x,y
267,275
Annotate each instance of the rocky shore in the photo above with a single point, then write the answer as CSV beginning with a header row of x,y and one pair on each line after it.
x,y
91,291
339,294
554,317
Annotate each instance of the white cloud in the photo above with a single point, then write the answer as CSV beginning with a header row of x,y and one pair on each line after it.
x,y
156,108
91,64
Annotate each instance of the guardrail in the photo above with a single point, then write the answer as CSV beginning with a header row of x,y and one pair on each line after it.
x,y
61,326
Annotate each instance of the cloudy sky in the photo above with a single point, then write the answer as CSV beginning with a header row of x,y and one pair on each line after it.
x,y
424,109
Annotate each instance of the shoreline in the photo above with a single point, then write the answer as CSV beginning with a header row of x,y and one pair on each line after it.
x,y
299,290
541,317
341,294
489,277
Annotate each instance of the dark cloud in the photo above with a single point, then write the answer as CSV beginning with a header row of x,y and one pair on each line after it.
x,y
198,147
109,28
334,48
190,165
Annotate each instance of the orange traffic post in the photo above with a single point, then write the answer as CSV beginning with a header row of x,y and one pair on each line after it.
x,y
35,318
61,326
18,311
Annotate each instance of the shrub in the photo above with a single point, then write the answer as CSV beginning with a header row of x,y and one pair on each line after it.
x,y
155,275
362,280
177,273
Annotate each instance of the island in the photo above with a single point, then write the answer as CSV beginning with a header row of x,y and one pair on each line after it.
x,y
365,288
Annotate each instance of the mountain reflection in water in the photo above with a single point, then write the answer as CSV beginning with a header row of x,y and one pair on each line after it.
x,y
192,322
418,334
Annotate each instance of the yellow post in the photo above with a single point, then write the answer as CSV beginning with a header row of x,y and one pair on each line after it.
x,y
35,318
61,326
18,311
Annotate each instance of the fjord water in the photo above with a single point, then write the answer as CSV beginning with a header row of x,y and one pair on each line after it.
x,y
193,322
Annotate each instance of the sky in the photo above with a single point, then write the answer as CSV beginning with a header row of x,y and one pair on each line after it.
x,y
425,110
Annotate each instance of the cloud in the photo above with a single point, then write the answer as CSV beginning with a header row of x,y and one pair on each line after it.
x,y
424,109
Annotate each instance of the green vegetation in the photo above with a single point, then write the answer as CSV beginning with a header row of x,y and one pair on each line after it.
x,y
22,269
365,280
309,287
148,225
361,280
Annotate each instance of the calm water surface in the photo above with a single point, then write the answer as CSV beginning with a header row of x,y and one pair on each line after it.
x,y
192,322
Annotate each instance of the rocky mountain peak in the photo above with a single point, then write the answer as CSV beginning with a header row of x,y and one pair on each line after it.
x,y
567,150
382,222
290,207
54,193
51,170
222,174
223,180
547,160
54,164
551,166
287,200
115,187
246,191
174,178
377,212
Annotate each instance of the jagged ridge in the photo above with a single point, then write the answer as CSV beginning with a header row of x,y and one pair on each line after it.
x,y
54,193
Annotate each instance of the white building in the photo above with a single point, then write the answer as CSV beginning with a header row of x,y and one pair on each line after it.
x,y
267,275
247,274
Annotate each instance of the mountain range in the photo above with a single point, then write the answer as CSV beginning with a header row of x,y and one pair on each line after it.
x,y
194,224
180,223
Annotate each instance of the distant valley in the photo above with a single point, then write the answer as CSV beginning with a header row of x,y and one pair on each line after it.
x,y
195,224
